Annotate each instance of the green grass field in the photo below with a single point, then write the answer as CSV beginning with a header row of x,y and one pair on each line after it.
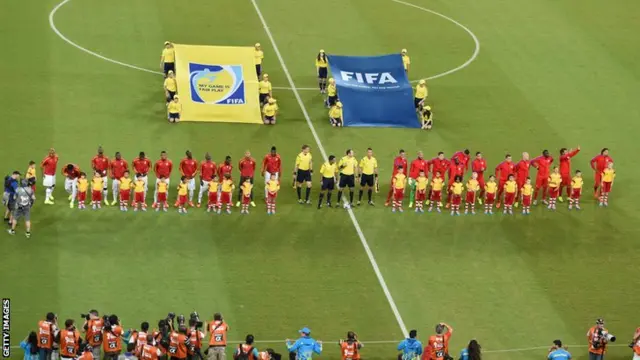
x,y
549,75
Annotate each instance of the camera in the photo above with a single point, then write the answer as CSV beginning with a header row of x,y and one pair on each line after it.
x,y
85,316
603,335
194,316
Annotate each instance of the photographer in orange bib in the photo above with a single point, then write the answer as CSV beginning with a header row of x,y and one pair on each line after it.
x,y
438,345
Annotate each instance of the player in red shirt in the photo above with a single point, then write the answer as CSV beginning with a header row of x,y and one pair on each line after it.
x,y
463,158
479,166
142,165
440,165
456,170
522,173
189,168
117,167
225,168
599,164
271,165
417,165
247,167
100,164
49,165
71,174
208,170
162,168
543,164
400,160
503,170
565,170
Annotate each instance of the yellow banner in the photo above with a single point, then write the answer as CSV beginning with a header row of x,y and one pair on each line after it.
x,y
217,84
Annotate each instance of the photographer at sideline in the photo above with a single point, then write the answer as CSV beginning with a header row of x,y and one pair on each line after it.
x,y
218,329
161,336
304,347
138,339
150,351
557,352
246,351
47,330
635,344
8,197
411,347
111,337
92,326
438,345
22,203
598,337
350,348
471,352
194,351
178,343
69,340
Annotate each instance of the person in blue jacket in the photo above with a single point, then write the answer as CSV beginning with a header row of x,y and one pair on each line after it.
x,y
557,352
305,346
30,346
471,352
411,348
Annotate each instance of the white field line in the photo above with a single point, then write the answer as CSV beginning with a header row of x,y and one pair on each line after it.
x,y
356,225
90,52
476,50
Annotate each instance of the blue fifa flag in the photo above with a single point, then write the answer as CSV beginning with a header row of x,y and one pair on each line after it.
x,y
374,91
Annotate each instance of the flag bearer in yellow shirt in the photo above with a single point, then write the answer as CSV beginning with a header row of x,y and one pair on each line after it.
x,y
322,64
576,190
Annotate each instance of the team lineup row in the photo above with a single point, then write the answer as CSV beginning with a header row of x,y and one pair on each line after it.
x,y
510,183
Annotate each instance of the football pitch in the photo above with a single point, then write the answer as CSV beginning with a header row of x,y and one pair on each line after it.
x,y
505,77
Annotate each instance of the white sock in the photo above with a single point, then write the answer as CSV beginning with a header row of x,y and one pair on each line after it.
x,y
48,193
104,194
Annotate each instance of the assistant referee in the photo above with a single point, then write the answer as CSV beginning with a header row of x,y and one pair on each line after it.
x,y
329,170
302,172
348,167
369,174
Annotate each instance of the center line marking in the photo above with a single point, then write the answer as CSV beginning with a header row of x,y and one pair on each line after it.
x,y
356,225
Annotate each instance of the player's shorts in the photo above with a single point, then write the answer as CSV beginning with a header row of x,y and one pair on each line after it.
x,y
171,95
335,121
332,100
328,183
96,195
471,197
416,102
138,197
263,98
542,182
269,118
526,200
303,176
421,195
347,181
182,199
398,194
213,198
174,116
606,187
82,196
553,192
323,72
367,180
124,195
169,66
575,193
509,198
258,70
49,180
246,199
191,184
490,198
267,176
225,197
162,197
70,184
436,195
566,179
456,199
271,196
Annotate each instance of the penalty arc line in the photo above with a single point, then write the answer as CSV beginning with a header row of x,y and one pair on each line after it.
x,y
356,225
476,51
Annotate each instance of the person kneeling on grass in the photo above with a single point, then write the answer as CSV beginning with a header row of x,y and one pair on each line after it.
x,y
170,86
174,108
335,115
269,111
